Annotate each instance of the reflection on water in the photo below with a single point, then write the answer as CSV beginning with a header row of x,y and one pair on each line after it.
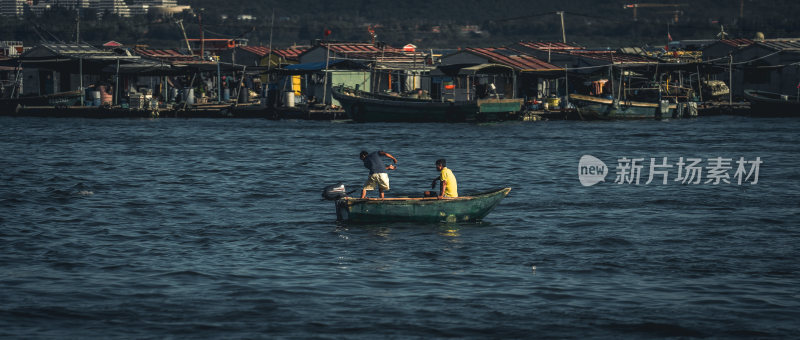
x,y
450,231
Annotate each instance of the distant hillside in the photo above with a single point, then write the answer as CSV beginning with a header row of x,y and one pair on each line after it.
x,y
587,22
429,23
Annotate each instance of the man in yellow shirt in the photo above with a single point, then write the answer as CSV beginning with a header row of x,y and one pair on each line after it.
x,y
448,187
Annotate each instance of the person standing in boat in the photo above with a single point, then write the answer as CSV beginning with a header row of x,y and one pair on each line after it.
x,y
448,186
377,171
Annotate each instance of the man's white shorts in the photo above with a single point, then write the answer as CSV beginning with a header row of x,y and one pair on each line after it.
x,y
381,179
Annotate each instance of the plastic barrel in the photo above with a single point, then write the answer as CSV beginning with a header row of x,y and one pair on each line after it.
x,y
189,95
663,107
288,98
96,98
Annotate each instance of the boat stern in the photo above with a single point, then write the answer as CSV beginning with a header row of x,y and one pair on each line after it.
x,y
342,210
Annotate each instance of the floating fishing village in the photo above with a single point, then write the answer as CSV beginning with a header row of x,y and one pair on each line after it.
x,y
372,81
417,169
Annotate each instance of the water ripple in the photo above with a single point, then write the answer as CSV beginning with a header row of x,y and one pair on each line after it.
x,y
210,228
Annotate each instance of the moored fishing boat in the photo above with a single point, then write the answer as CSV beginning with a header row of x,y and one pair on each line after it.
x,y
769,104
418,209
62,99
603,108
364,106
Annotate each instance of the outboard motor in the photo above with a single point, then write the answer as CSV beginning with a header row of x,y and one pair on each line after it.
x,y
334,192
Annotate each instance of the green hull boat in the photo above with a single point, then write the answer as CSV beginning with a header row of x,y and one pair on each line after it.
x,y
364,106
424,210
594,108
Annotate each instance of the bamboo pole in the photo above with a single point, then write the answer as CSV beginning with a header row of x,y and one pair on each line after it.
x,y
699,83
219,83
325,78
730,79
116,86
563,34
80,86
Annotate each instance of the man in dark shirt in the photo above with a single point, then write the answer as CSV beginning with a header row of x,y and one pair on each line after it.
x,y
377,171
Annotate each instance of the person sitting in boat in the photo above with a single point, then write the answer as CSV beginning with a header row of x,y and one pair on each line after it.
x,y
448,186
377,171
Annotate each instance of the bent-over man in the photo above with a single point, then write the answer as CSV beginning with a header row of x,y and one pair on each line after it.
x,y
377,171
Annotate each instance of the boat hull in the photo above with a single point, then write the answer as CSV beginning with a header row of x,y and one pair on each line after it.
x,y
421,210
63,99
364,107
768,104
601,108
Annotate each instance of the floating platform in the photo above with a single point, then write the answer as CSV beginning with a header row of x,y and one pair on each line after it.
x,y
536,115
197,111
309,113
82,112
218,111
724,108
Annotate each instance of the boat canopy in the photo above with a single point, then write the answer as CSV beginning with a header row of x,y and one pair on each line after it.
x,y
486,69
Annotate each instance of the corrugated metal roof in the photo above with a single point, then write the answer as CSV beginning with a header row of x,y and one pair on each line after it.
x,y
73,51
166,55
76,50
263,51
780,44
355,47
613,56
367,49
737,42
514,59
210,40
385,57
172,56
549,45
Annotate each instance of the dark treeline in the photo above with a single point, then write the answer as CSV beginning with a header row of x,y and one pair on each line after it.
x,y
425,23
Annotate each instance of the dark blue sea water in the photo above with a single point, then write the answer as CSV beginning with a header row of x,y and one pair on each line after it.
x,y
173,228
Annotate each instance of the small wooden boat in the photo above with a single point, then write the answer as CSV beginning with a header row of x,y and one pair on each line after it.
x,y
768,104
362,106
422,210
603,108
61,99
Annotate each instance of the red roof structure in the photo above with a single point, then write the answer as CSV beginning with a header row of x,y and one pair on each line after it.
x,y
112,43
356,47
291,53
737,42
514,59
553,46
170,56
384,56
781,44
